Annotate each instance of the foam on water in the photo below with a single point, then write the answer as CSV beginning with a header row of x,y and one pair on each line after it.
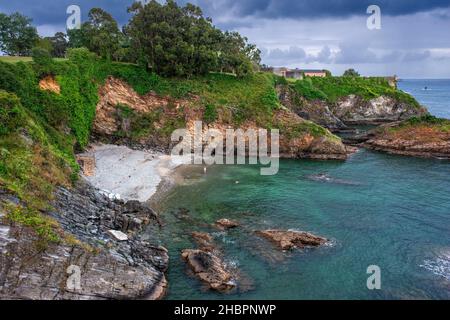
x,y
440,266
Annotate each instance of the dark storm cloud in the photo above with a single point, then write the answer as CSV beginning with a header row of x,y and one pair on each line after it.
x,y
310,9
54,11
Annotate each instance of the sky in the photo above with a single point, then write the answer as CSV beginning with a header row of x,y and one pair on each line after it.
x,y
413,41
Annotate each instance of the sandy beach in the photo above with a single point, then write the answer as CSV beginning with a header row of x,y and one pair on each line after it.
x,y
131,174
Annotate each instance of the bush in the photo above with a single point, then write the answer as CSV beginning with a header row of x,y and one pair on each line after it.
x,y
11,117
43,61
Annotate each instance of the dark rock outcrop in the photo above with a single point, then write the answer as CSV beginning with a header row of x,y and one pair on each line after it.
x,y
209,268
287,240
316,111
207,264
107,269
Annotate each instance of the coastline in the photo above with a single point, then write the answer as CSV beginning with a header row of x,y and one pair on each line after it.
x,y
127,174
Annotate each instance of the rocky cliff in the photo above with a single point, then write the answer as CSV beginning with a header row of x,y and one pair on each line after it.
x,y
299,138
108,268
348,110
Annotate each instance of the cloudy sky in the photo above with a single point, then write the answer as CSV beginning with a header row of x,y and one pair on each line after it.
x,y
413,42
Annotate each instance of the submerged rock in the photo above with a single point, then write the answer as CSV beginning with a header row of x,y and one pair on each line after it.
x,y
210,269
204,240
225,224
287,240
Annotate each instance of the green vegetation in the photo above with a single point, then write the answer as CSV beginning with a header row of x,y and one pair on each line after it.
x,y
31,164
351,73
10,59
426,120
17,35
179,41
331,89
293,131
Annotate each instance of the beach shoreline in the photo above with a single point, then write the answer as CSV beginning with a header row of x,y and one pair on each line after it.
x,y
127,174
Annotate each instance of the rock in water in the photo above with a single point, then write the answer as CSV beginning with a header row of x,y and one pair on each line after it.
x,y
225,224
287,240
209,268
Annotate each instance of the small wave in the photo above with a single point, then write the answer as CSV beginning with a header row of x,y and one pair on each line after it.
x,y
439,266
232,263
323,177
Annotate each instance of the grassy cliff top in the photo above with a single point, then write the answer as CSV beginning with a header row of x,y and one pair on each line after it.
x,y
331,89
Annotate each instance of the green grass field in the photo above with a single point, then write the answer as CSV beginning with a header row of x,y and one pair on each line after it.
x,y
22,59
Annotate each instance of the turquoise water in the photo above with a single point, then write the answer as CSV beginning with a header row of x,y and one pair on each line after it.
x,y
377,209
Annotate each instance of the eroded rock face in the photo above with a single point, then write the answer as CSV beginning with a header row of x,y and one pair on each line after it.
x,y
49,83
209,268
350,110
108,268
115,92
287,240
355,110
316,111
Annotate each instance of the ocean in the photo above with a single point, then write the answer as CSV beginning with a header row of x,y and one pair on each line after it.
x,y
377,209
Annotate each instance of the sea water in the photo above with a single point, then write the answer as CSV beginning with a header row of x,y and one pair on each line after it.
x,y
376,209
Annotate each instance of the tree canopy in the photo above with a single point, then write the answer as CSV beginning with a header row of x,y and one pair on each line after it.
x,y
17,35
179,41
351,73
169,39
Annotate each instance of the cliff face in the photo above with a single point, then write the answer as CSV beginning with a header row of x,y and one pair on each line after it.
x,y
299,138
109,269
355,110
349,110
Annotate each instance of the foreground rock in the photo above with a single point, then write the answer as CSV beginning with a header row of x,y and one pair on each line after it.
x,y
107,268
226,224
287,240
209,268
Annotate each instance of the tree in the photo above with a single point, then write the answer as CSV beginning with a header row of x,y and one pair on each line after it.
x,y
178,40
59,45
351,73
44,43
102,34
42,60
17,35
77,38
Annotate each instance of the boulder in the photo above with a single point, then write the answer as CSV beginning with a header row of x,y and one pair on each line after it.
x,y
287,240
210,269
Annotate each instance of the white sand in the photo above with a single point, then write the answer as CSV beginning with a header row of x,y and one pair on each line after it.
x,y
130,174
